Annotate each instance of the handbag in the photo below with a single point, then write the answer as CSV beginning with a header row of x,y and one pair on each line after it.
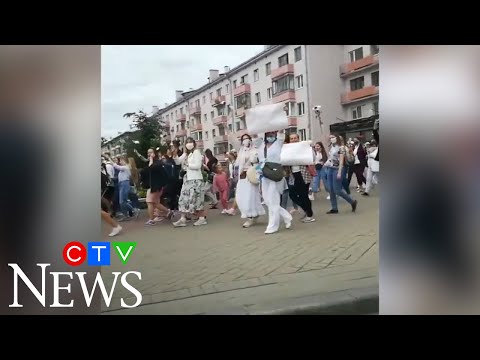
x,y
271,170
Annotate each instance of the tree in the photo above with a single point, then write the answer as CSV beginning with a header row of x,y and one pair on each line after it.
x,y
150,131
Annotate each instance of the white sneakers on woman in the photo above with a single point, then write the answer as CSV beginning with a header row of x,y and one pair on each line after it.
x,y
115,231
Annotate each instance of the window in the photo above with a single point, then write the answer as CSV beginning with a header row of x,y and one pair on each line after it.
x,y
243,124
255,75
283,60
374,49
221,130
303,134
230,127
257,98
197,103
268,69
213,133
283,84
242,101
298,53
299,81
205,117
204,99
221,110
176,113
356,54
290,108
206,135
226,88
237,126
219,92
375,108
181,111
234,84
211,96
197,135
167,118
357,112
171,115
375,78
356,84
244,79
269,93
212,114
301,108
178,127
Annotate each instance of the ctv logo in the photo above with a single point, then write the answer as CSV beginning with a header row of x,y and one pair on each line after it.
x,y
75,254
98,253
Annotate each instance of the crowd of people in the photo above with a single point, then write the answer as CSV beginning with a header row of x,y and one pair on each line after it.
x,y
178,181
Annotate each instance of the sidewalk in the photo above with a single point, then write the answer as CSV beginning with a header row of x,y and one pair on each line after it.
x,y
222,268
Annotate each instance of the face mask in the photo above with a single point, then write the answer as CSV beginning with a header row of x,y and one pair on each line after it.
x,y
333,140
271,139
246,142
189,146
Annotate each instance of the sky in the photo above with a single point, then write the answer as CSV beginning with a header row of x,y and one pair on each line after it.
x,y
137,77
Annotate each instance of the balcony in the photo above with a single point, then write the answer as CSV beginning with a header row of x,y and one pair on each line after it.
x,y
196,111
282,71
220,120
240,111
360,94
218,100
181,118
242,89
180,133
199,144
220,139
361,64
292,121
288,95
197,127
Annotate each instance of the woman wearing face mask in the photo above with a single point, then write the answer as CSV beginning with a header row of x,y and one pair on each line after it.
x,y
248,195
192,195
272,190
334,165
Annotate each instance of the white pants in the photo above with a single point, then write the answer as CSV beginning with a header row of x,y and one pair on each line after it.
x,y
372,180
209,193
271,191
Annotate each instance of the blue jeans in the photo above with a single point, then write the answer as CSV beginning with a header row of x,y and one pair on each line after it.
x,y
316,180
345,184
323,177
123,191
336,189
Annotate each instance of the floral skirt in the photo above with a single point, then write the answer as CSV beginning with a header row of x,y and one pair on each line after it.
x,y
192,196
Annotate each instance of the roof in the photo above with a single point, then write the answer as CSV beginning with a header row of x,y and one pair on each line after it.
x,y
192,93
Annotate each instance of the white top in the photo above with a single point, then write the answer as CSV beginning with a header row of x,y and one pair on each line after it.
x,y
295,169
124,174
273,152
246,156
110,170
318,158
192,164
357,161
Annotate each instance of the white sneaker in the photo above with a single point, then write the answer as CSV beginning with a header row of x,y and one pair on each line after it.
x,y
158,219
308,219
180,223
136,213
328,197
115,231
248,223
311,197
288,224
230,211
200,221
270,232
224,211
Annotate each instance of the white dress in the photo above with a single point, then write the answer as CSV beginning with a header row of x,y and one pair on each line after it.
x,y
248,195
272,190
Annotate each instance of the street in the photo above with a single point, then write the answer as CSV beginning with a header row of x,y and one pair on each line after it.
x,y
221,267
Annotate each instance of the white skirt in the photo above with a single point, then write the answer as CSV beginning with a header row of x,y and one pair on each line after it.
x,y
248,199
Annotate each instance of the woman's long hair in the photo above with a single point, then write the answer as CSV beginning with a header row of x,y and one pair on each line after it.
x,y
209,155
322,150
133,170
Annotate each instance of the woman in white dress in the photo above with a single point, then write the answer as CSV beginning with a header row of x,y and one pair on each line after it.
x,y
272,190
248,194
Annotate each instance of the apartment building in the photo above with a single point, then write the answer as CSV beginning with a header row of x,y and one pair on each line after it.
x,y
343,79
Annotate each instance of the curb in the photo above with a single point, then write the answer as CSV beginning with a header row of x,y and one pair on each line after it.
x,y
348,302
